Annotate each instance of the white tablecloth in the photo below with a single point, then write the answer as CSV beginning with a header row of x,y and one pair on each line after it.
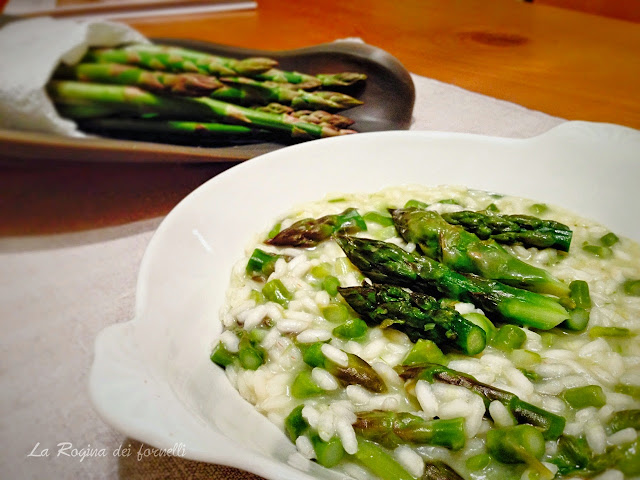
x,y
57,292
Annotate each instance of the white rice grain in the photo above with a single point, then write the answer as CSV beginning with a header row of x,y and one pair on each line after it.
x,y
623,436
426,398
610,475
287,325
322,298
388,374
373,349
356,471
326,425
335,354
313,335
596,437
230,341
270,339
500,414
410,460
311,415
347,435
324,379
357,394
305,447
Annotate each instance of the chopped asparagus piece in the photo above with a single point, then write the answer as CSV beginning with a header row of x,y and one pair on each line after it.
x,y
424,351
587,396
437,470
598,331
624,419
379,462
391,429
516,444
508,338
550,424
275,291
261,263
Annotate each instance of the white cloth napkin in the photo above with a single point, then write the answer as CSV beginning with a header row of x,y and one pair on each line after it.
x,y
30,50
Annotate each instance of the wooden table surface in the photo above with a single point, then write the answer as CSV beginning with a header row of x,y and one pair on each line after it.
x,y
562,62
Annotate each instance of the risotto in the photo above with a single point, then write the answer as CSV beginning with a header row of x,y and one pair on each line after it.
x,y
441,333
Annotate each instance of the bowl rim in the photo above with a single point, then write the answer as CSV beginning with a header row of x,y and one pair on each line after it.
x,y
117,343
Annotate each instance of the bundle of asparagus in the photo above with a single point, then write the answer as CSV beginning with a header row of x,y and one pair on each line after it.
x,y
171,94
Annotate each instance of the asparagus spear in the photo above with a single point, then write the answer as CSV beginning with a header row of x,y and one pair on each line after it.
x,y
193,84
465,252
342,79
305,81
167,129
391,429
417,314
387,263
134,101
511,229
309,232
302,80
174,59
291,95
551,425
319,117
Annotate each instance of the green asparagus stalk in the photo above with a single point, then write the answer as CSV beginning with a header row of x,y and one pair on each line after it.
x,y
519,444
572,454
416,314
307,82
527,230
261,264
387,263
575,459
302,80
174,59
342,79
551,425
391,429
380,462
356,371
134,101
192,84
167,129
288,94
624,419
309,232
465,252
319,117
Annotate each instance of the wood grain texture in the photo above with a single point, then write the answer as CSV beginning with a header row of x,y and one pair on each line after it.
x,y
562,62
565,63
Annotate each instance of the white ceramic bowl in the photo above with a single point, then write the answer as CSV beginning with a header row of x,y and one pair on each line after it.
x,y
152,378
